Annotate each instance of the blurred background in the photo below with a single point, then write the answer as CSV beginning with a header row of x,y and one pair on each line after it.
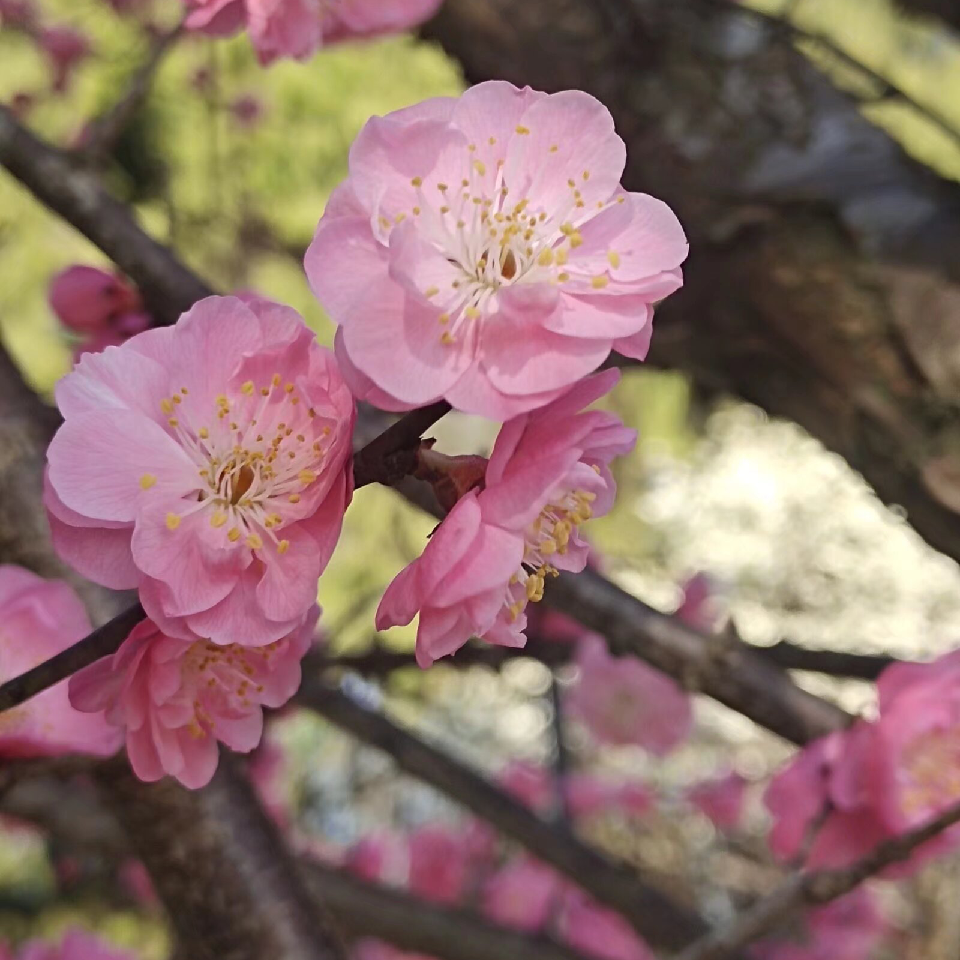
x,y
821,298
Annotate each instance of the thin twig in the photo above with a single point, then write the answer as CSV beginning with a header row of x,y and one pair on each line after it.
x,y
811,889
104,131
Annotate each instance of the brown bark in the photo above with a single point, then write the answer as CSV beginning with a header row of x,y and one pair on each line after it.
x,y
822,279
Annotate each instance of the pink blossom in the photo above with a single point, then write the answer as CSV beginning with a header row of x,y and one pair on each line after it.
x,y
76,945
521,894
483,251
66,49
86,299
530,783
438,865
175,699
207,464
599,932
547,475
21,14
621,700
702,606
720,799
849,928
38,619
298,28
373,857
247,110
636,799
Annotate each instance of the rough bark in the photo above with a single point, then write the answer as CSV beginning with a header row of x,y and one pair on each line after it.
x,y
822,283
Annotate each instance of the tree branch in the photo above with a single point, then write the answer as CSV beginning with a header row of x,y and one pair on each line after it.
x,y
372,910
811,889
655,916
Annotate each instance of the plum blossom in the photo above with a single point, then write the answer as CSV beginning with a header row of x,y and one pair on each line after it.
x,y
849,928
66,49
622,700
599,932
439,864
38,619
208,465
482,251
845,793
174,700
521,894
75,945
299,28
547,475
720,799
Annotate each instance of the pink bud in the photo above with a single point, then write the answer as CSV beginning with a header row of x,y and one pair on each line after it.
x,y
86,299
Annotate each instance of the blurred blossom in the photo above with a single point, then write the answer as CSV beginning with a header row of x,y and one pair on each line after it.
x,y
89,300
374,858
21,14
75,945
702,606
66,49
622,700
521,894
599,932
720,799
38,619
439,864
247,110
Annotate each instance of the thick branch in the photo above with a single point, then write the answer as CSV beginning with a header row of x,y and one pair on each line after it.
x,y
371,910
811,889
654,915
220,865
722,667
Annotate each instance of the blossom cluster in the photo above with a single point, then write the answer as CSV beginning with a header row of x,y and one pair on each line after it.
x,y
480,250
299,28
849,791
75,945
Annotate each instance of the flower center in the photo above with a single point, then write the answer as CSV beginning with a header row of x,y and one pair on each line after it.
x,y
548,536
931,769
492,239
257,455
223,678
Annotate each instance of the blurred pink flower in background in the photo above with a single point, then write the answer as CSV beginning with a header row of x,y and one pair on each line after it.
x,y
720,799
850,928
247,110
521,894
174,699
375,857
66,49
207,464
548,474
439,864
88,299
702,606
482,251
621,700
530,783
599,932
21,14
299,28
38,619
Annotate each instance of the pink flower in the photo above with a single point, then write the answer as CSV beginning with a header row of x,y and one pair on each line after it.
x,y
438,865
175,699
636,799
521,894
86,299
529,783
548,474
850,928
720,800
599,932
207,464
298,28
482,251
373,857
621,701
38,619
21,14
702,606
66,49
247,110
76,945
